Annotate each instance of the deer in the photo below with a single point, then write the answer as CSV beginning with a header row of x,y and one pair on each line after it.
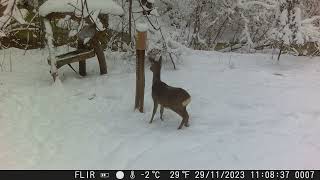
x,y
173,98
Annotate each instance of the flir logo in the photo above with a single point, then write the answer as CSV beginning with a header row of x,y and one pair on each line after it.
x,y
84,174
104,175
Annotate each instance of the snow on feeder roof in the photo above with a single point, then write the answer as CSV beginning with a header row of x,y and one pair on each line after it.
x,y
71,6
142,27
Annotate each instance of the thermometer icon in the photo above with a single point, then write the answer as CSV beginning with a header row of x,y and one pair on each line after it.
x,y
132,176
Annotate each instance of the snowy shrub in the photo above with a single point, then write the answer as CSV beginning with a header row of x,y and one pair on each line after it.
x,y
224,25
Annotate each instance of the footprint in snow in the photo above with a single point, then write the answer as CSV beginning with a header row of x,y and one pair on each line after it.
x,y
278,74
92,97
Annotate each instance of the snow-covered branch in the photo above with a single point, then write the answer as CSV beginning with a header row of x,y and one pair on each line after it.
x,y
265,4
7,13
310,20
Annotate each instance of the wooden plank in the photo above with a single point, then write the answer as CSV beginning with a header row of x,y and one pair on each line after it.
x,y
82,53
74,56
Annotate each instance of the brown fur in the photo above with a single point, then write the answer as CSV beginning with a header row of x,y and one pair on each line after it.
x,y
167,96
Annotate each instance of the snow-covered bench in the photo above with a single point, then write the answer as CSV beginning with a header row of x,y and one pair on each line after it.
x,y
87,11
73,56
83,52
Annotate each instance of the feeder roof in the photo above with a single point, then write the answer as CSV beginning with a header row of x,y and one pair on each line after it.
x,y
70,6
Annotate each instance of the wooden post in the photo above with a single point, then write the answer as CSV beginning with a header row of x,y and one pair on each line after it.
x,y
141,38
82,68
82,63
90,31
100,55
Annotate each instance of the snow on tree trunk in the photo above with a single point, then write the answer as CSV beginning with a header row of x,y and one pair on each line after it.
x,y
287,30
52,57
246,33
6,15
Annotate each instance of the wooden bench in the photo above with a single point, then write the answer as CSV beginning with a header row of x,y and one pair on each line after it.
x,y
79,55
84,52
73,56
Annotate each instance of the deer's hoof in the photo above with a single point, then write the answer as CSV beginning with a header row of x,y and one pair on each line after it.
x,y
150,122
179,128
186,125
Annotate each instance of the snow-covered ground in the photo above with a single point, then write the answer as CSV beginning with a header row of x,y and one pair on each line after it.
x,y
246,112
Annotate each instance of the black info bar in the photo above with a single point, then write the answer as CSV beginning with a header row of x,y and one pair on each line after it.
x,y
157,174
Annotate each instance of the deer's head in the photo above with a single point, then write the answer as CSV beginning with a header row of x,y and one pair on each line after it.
x,y
155,65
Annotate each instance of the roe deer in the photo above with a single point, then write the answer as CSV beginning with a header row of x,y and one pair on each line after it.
x,y
173,98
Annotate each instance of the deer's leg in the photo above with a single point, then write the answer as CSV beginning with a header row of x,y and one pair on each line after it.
x,y
186,116
181,113
155,107
161,112
182,122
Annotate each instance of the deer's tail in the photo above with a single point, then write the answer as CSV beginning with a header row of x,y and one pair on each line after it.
x,y
186,102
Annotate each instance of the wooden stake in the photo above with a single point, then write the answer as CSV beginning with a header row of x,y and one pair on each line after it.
x,y
82,68
82,64
141,38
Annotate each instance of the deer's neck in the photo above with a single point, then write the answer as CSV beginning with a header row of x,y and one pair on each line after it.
x,y
156,77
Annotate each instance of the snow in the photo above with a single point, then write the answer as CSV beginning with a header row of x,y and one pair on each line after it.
x,y
86,40
269,5
246,112
103,6
20,15
10,4
97,21
2,34
50,46
67,23
293,29
246,33
11,12
72,33
154,12
142,27
310,20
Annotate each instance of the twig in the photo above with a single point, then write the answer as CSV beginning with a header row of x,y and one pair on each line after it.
x,y
10,62
148,18
2,2
130,20
220,28
165,46
4,57
26,47
162,36
281,47
11,11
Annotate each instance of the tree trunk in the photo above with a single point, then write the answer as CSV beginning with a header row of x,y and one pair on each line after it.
x,y
130,20
100,55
